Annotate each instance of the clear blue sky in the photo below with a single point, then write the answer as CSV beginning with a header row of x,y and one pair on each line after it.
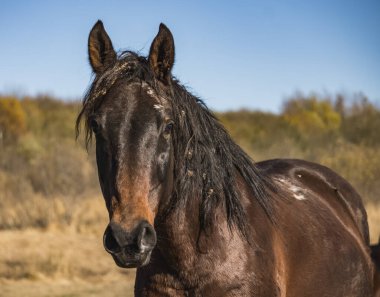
x,y
233,54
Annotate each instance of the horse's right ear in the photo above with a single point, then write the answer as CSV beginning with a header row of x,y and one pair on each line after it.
x,y
100,50
161,54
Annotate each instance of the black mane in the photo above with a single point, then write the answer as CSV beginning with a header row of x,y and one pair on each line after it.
x,y
207,160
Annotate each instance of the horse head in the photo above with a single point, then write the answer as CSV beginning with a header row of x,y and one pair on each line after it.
x,y
127,111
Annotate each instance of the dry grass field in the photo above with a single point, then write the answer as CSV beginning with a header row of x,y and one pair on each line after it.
x,y
373,212
59,263
63,259
69,261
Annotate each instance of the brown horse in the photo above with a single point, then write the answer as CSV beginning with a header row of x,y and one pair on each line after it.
x,y
193,212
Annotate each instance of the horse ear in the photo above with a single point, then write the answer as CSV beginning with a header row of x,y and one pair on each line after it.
x,y
161,54
100,50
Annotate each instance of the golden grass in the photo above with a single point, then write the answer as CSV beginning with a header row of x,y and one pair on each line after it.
x,y
66,258
373,213
62,288
62,263
83,215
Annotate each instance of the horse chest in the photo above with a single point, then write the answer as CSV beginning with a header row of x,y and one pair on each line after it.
x,y
234,273
169,285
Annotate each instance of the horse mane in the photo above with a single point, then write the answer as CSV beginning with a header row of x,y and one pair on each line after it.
x,y
207,160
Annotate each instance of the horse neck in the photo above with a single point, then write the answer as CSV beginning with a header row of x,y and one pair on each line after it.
x,y
180,227
180,240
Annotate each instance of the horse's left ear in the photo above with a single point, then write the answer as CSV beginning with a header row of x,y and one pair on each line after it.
x,y
100,49
161,54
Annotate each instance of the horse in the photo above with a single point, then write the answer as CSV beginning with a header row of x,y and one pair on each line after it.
x,y
192,211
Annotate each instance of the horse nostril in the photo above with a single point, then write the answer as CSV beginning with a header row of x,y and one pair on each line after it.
x,y
141,240
147,237
109,241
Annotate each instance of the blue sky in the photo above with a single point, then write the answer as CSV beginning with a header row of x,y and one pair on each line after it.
x,y
233,54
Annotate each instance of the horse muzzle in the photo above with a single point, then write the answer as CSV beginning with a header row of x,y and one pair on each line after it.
x,y
130,249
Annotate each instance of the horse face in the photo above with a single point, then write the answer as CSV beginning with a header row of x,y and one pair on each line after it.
x,y
133,128
134,158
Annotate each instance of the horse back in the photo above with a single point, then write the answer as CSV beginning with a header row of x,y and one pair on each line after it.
x,y
322,181
322,229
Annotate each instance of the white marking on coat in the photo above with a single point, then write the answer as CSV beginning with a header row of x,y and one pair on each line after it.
x,y
160,101
299,196
297,192
158,106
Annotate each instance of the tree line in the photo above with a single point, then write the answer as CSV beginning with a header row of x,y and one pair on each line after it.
x,y
40,156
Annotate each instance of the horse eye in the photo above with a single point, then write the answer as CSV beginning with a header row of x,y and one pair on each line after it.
x,y
94,125
168,128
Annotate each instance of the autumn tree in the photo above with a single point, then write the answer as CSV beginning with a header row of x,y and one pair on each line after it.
x,y
311,118
362,123
12,119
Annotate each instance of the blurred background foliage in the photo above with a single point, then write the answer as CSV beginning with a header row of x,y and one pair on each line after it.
x,y
45,174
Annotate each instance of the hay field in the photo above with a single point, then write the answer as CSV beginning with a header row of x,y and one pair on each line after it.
x,y
69,261
59,263
63,259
